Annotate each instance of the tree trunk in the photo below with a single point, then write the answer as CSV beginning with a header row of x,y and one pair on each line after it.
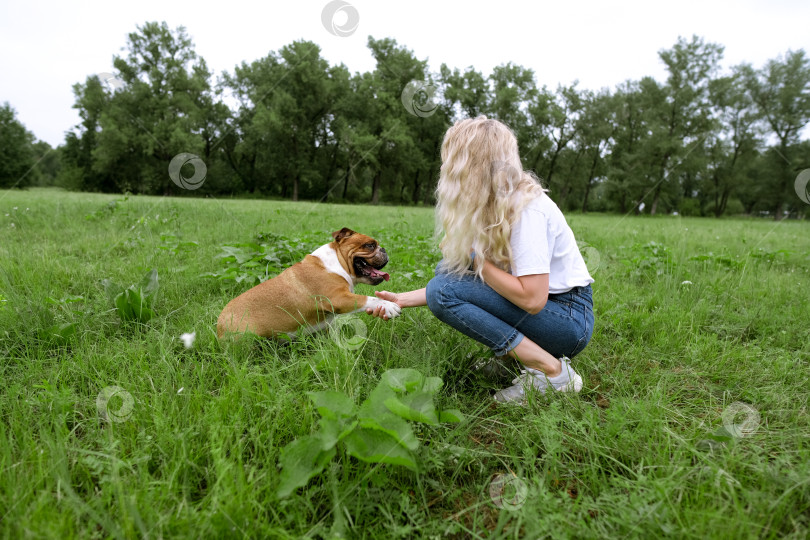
x,y
429,192
253,180
724,201
777,213
248,182
330,172
585,198
346,184
590,179
349,176
416,185
716,179
375,188
786,174
654,206
664,175
563,196
551,167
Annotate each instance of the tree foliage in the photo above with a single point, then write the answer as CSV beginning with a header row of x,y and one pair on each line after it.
x,y
16,150
291,125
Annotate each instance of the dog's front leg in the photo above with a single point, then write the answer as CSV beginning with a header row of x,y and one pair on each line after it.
x,y
353,303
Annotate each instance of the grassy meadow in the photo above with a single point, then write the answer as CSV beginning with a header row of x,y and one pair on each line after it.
x,y
693,421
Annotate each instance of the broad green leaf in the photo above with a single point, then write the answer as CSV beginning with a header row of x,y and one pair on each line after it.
x,y
143,314
432,384
417,407
403,379
374,405
122,304
149,286
111,289
131,306
452,416
69,299
59,333
393,426
375,446
332,404
333,431
139,307
301,460
187,246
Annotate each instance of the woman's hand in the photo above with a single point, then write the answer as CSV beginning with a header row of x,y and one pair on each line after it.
x,y
379,311
403,300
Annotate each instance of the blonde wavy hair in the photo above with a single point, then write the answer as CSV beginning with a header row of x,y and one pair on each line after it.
x,y
481,192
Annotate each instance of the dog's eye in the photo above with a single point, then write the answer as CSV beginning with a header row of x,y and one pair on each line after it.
x,y
370,245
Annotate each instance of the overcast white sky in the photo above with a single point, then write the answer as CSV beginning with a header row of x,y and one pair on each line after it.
x,y
49,45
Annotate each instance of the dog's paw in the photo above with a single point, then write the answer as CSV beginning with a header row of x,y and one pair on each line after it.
x,y
391,309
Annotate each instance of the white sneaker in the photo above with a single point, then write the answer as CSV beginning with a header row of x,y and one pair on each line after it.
x,y
567,381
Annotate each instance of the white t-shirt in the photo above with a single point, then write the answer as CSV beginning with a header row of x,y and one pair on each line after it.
x,y
543,243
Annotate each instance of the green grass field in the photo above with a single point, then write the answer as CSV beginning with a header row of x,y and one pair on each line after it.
x,y
693,421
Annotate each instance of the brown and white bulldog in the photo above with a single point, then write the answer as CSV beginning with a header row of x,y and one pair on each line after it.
x,y
308,294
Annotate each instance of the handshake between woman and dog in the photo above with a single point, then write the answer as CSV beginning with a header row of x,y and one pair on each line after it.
x,y
309,294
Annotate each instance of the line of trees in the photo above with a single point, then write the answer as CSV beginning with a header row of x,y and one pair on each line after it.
x,y
707,141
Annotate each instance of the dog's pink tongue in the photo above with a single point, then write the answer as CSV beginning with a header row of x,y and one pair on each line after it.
x,y
375,273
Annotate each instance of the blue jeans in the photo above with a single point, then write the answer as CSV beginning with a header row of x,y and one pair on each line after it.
x,y
563,328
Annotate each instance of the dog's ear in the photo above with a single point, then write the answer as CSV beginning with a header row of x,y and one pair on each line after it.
x,y
345,232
